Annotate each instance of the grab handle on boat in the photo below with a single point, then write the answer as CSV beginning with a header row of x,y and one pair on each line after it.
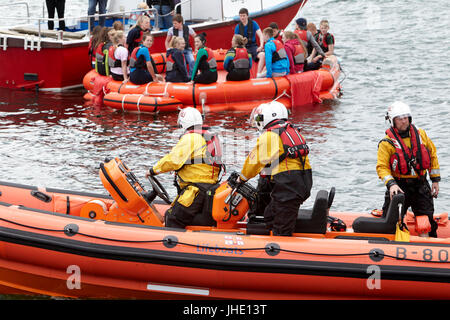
x,y
41,196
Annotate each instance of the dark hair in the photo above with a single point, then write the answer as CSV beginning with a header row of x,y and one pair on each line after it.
x,y
274,25
202,37
243,11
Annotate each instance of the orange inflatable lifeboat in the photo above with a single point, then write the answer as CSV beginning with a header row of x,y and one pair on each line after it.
x,y
292,90
84,245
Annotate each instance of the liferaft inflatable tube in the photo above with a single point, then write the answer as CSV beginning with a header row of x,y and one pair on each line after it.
x,y
141,103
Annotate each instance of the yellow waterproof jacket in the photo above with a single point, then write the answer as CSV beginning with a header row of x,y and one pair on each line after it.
x,y
268,149
386,150
186,157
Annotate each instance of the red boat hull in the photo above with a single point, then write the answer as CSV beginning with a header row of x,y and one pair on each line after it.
x,y
59,65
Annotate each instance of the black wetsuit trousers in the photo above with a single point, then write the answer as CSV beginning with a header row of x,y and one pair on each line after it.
x,y
279,199
59,5
418,197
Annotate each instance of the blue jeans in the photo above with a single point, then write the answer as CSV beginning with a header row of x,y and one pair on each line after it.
x,y
189,56
101,10
164,22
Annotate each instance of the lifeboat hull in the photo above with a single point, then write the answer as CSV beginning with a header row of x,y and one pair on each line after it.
x,y
47,248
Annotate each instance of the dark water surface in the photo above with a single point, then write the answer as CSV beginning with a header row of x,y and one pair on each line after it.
x,y
390,50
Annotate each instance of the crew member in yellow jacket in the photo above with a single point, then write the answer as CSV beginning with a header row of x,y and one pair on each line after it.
x,y
405,155
196,159
281,158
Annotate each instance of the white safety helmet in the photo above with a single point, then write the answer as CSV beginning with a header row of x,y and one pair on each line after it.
x,y
265,113
189,117
398,109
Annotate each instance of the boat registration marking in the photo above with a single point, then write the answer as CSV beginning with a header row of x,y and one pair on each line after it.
x,y
427,254
176,289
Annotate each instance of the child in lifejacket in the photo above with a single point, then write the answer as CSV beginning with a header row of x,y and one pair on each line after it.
x,y
277,33
326,43
142,69
296,52
93,43
238,61
176,70
205,62
135,34
101,52
118,57
276,60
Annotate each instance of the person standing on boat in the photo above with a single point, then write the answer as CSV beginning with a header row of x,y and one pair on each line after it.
x,y
280,157
310,42
196,159
248,28
238,61
134,37
165,10
176,63
404,156
59,6
205,62
101,10
142,67
180,29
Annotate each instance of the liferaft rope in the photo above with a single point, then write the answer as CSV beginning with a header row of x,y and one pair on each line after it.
x,y
270,247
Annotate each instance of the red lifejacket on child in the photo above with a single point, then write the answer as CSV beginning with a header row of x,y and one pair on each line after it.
x,y
240,60
211,58
112,61
303,35
299,54
406,159
135,62
280,52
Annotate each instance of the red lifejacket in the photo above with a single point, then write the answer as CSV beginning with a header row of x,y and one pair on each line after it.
x,y
294,144
240,60
299,55
211,58
170,62
135,62
213,155
406,159
324,43
280,52
112,61
303,35
101,55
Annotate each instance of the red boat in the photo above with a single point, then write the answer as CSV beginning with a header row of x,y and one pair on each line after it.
x,y
54,60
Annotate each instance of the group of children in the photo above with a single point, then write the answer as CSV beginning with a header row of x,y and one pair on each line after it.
x,y
279,54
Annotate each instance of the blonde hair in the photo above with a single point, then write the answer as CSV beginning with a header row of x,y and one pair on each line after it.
x,y
174,41
141,19
143,5
239,40
325,22
118,35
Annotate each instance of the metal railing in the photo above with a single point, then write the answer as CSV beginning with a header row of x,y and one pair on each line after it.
x,y
19,4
